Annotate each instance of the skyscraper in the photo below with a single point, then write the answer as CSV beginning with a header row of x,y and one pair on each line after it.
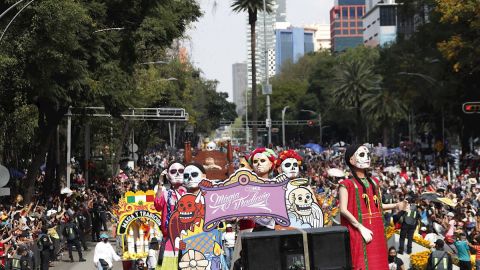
x,y
292,44
346,24
281,10
380,22
240,85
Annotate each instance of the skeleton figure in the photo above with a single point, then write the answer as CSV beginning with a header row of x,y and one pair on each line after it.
x,y
290,167
193,175
362,157
211,146
175,173
303,211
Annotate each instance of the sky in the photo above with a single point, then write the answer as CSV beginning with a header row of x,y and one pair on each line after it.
x,y
218,39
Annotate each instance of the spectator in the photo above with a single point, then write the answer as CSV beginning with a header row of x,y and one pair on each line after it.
x,y
439,259
229,238
476,247
394,263
153,253
463,251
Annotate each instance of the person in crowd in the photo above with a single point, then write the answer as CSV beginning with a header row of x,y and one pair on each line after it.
x,y
439,259
463,251
104,254
96,221
229,238
81,222
71,234
153,250
394,263
476,248
409,221
45,246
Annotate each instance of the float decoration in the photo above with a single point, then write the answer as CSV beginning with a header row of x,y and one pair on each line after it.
x,y
138,223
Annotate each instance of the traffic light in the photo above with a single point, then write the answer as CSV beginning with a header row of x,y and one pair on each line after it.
x,y
311,123
471,107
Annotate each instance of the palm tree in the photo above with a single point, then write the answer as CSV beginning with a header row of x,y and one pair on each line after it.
x,y
252,7
383,107
352,80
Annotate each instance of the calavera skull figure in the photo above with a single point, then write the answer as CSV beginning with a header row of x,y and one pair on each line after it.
x,y
211,146
362,158
175,173
290,167
192,176
261,164
301,200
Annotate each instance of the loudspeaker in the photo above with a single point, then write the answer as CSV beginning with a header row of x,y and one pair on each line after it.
x,y
329,249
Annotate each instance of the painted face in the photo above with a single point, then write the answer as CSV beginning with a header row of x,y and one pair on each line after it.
x,y
175,173
261,164
211,146
192,176
361,159
290,167
301,200
188,207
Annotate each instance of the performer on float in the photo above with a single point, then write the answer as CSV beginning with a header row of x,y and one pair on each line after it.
x,y
361,209
289,162
165,202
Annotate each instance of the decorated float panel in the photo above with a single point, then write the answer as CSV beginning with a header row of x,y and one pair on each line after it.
x,y
218,165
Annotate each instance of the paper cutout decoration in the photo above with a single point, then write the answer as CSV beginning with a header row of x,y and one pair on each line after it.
x,y
303,209
245,195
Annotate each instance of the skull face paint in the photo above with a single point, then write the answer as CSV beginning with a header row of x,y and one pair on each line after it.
x,y
192,176
211,146
261,164
362,158
290,167
175,173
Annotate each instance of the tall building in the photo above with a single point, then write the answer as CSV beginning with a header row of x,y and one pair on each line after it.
x,y
260,47
240,86
291,44
346,24
321,38
281,10
380,22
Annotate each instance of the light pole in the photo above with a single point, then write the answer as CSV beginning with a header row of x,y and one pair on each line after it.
x,y
319,122
283,124
247,139
266,87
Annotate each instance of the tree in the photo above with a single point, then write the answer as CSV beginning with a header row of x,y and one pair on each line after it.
x,y
383,108
252,7
352,80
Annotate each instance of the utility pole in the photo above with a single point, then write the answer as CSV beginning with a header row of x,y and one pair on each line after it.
x,y
266,87
283,124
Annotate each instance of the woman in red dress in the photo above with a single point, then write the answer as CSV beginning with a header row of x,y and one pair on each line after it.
x,y
362,212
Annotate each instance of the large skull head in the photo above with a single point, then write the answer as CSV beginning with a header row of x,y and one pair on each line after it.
x,y
211,146
290,167
301,200
175,173
361,158
193,176
261,164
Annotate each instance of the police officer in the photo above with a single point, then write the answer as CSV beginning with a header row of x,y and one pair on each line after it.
x,y
19,260
387,198
96,221
439,259
81,222
409,221
45,246
71,233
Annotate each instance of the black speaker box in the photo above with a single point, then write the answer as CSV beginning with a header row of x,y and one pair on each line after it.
x,y
328,249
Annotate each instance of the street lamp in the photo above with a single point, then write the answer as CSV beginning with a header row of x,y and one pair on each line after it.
x,y
283,124
266,87
319,121
154,62
14,17
109,29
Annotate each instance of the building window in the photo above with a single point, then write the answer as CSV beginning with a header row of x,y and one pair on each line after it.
x,y
353,32
337,24
345,24
352,24
360,24
388,16
352,12
345,32
345,12
360,11
337,32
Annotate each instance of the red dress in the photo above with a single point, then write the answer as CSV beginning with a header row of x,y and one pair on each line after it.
x,y
371,256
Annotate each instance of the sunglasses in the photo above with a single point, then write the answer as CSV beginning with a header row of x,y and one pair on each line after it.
x,y
193,174
174,171
288,164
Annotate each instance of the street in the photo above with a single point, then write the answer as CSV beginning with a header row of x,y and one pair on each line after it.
x,y
64,264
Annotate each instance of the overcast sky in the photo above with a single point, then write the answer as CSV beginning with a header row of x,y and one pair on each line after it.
x,y
218,39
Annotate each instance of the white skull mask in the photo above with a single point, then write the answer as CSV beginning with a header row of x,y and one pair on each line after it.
x,y
301,200
261,164
211,146
290,167
192,176
361,158
175,173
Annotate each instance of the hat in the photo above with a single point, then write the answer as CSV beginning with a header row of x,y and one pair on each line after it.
x,y
423,228
229,225
450,214
103,236
154,240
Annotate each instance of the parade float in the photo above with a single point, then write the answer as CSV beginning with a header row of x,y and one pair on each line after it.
x,y
218,165
138,223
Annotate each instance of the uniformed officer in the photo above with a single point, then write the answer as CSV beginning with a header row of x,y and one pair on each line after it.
x,y
81,222
410,220
72,233
439,259
45,246
19,260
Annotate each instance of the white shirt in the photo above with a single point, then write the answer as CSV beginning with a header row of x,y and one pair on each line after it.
x,y
229,238
152,259
432,238
105,251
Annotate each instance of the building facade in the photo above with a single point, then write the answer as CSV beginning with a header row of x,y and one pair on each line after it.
x,y
380,22
240,86
321,38
292,43
346,24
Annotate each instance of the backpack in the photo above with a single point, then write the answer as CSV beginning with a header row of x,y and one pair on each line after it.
x,y
71,234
